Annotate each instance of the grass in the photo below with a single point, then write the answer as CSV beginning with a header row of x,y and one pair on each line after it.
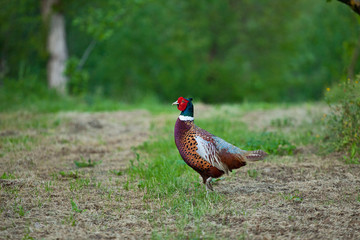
x,y
160,173
155,194
88,163
75,208
163,175
7,176
32,96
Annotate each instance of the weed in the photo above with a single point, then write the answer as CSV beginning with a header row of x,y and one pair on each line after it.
x,y
13,190
126,186
118,173
7,176
75,208
79,184
47,186
19,209
343,122
89,163
295,196
27,235
70,174
351,157
109,194
70,219
252,173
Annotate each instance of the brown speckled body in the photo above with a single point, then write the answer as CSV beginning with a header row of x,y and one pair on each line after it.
x,y
207,154
185,133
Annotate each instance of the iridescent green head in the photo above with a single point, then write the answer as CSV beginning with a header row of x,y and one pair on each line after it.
x,y
186,107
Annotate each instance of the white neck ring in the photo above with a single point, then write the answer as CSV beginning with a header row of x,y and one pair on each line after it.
x,y
186,118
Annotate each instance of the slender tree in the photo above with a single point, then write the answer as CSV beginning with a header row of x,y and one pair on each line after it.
x,y
56,44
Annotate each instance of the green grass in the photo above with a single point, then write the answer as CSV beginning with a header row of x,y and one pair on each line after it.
x,y
159,171
88,163
69,174
75,207
159,188
32,96
7,176
171,189
163,176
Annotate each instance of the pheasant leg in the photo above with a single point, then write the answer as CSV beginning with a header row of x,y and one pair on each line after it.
x,y
208,184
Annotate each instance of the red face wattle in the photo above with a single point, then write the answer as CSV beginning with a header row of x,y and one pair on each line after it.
x,y
182,103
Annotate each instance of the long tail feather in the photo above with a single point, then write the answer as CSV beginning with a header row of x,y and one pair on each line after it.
x,y
255,155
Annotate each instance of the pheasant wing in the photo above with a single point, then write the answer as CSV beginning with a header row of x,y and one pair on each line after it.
x,y
207,150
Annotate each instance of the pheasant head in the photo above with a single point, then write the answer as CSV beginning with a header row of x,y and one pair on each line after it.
x,y
186,107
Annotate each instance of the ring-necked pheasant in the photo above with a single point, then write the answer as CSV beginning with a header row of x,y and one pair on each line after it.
x,y
207,154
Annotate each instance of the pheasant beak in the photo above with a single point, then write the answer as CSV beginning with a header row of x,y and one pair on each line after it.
x,y
175,103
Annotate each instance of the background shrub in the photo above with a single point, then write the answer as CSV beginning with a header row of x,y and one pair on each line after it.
x,y
343,122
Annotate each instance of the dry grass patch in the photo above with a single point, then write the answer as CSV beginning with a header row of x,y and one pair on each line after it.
x,y
155,196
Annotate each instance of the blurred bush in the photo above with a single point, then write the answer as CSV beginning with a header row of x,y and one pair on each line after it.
x,y
78,79
343,122
216,51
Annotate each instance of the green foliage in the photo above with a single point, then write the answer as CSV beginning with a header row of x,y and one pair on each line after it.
x,y
343,122
32,95
216,51
102,20
14,92
77,78
22,47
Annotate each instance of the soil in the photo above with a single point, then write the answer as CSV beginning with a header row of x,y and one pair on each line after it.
x,y
45,196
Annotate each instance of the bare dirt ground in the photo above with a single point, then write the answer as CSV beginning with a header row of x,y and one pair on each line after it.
x,y
37,202
45,196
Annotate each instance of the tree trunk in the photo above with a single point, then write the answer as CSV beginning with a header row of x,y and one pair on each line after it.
x,y
56,45
354,4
